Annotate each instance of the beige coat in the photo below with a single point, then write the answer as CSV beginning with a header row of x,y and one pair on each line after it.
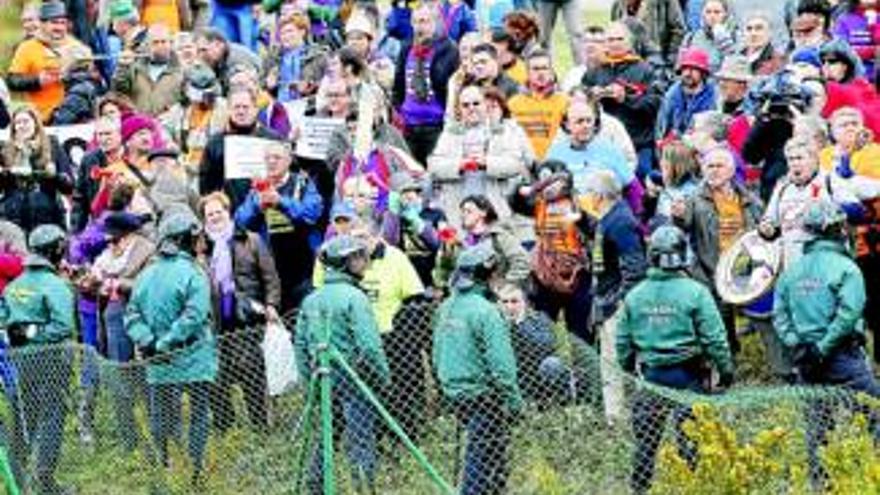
x,y
509,159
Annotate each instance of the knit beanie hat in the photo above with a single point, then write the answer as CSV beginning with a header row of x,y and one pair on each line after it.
x,y
134,123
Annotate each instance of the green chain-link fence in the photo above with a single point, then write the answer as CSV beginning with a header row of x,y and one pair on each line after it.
x,y
118,434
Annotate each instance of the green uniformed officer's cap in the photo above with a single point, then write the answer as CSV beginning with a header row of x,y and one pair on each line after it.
x,y
178,223
45,235
824,218
335,251
475,256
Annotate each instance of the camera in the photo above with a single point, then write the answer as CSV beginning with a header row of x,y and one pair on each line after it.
x,y
776,97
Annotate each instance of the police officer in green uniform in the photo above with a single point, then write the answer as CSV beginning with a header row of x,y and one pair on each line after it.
x,y
817,313
342,311
475,363
669,327
39,315
169,320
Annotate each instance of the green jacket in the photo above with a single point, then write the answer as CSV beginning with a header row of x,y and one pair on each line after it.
x,y
170,305
820,298
39,296
473,355
344,310
669,318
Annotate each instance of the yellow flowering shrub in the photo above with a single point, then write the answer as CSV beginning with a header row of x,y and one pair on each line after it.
x,y
726,465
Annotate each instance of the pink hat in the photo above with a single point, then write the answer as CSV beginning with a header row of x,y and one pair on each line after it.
x,y
134,123
694,58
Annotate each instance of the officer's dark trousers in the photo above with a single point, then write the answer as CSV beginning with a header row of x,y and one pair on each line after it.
x,y
846,368
126,383
649,414
241,362
360,440
43,391
165,404
486,457
870,267
406,398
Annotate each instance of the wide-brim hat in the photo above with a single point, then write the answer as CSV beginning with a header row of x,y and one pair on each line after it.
x,y
735,68
52,10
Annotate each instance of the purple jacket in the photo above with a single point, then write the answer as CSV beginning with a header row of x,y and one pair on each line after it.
x,y
853,27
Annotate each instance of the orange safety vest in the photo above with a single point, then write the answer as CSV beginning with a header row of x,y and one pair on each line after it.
x,y
556,228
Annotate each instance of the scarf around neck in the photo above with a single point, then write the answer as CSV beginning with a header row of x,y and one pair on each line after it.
x,y
221,259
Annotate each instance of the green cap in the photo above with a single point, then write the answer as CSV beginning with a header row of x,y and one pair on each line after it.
x,y
475,256
45,235
122,9
825,219
178,223
336,251
668,248
474,264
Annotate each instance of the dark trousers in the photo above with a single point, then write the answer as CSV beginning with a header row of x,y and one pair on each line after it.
x,y
126,383
360,440
421,140
486,457
40,408
847,368
242,363
165,418
575,306
649,414
728,316
406,397
870,266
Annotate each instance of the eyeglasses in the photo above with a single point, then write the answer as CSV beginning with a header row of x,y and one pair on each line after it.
x,y
510,301
614,38
337,95
756,27
471,104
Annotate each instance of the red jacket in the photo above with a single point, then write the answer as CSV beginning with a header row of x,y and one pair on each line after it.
x,y
11,266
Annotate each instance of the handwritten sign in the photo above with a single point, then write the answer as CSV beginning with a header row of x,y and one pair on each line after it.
x,y
244,157
314,136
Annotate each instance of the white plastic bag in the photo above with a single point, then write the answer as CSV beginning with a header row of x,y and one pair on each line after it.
x,y
281,373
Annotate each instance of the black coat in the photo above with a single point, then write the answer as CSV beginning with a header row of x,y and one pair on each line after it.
x,y
638,111
86,188
765,147
443,66
36,200
211,174
78,105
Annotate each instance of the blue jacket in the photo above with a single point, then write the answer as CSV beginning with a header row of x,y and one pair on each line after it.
x,y
300,202
458,19
677,110
618,258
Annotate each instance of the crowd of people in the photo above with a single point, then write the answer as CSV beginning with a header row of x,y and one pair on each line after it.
x,y
356,165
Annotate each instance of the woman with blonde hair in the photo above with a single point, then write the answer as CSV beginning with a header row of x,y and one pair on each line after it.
x,y
34,172
679,174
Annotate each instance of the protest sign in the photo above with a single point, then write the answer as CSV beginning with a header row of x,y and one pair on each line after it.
x,y
244,157
314,136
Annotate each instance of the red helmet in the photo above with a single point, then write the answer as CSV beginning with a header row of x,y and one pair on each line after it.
x,y
695,58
